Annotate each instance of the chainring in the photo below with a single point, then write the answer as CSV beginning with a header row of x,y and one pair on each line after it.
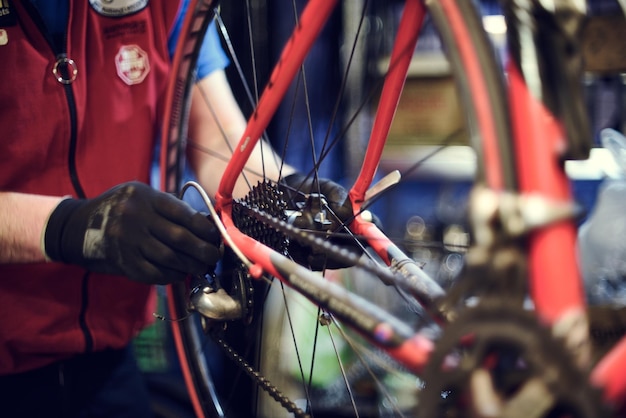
x,y
498,358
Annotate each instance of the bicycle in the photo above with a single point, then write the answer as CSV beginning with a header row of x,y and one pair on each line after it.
x,y
482,351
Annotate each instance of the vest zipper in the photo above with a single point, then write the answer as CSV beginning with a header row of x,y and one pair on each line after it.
x,y
71,158
82,318
60,52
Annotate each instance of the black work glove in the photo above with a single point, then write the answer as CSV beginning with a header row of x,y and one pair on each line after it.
x,y
135,231
303,196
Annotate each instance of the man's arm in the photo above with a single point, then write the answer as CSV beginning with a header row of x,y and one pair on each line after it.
x,y
131,230
21,225
216,123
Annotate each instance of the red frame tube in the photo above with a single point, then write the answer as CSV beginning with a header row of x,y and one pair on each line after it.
x,y
556,287
401,55
312,20
609,374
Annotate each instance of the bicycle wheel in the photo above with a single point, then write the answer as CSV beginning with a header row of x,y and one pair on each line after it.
x,y
357,378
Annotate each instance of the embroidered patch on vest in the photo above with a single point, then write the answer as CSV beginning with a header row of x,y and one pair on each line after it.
x,y
124,28
117,8
132,64
8,17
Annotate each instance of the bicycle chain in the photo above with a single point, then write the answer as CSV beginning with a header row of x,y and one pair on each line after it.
x,y
260,380
267,198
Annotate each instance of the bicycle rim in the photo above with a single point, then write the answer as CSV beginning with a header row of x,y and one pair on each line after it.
x,y
478,80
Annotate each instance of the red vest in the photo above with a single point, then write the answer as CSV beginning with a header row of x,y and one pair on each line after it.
x,y
79,138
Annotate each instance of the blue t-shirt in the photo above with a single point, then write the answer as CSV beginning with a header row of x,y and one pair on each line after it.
x,y
212,57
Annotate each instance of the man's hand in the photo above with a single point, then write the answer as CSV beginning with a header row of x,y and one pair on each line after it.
x,y
299,186
301,192
135,231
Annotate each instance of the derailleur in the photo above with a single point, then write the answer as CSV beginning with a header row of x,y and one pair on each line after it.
x,y
217,306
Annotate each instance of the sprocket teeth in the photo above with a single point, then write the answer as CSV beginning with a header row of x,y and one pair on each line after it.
x,y
268,198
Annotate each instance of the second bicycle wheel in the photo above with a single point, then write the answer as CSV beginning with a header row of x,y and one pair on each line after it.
x,y
316,364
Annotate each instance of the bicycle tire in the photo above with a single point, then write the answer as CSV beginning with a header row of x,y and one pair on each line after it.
x,y
479,80
173,142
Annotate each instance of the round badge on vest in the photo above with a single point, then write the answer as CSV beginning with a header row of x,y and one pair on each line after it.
x,y
132,64
117,8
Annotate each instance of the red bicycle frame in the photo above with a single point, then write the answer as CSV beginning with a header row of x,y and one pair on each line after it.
x,y
554,280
